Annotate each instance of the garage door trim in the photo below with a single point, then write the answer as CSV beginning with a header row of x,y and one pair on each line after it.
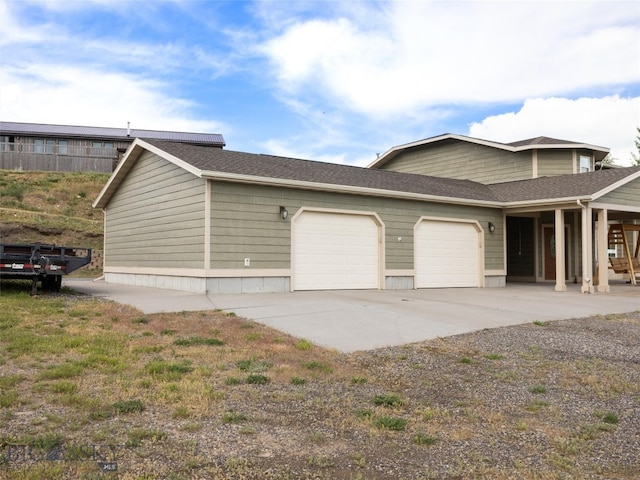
x,y
480,244
373,215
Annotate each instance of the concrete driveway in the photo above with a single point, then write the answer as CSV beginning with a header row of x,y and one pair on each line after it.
x,y
366,319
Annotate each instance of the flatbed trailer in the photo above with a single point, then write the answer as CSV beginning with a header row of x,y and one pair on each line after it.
x,y
44,263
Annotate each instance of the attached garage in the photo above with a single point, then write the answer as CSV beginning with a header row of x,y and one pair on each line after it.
x,y
336,250
448,253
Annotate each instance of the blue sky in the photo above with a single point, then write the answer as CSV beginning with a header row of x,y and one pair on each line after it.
x,y
335,81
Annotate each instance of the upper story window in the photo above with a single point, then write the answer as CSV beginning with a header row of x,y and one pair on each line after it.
x,y
585,163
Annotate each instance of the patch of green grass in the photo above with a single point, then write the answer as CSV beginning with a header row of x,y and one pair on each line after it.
x,y
180,412
142,320
65,370
538,389
303,344
253,365
169,371
540,323
128,406
257,379
141,434
364,413
466,360
233,381
611,418
424,439
9,398
388,401
318,367
195,341
64,387
358,380
233,417
298,381
168,331
390,423
47,441
494,356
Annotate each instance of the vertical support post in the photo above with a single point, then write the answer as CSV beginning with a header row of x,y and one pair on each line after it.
x,y
561,284
603,245
587,250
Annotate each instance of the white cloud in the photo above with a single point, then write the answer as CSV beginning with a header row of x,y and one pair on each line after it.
x,y
607,122
416,55
80,96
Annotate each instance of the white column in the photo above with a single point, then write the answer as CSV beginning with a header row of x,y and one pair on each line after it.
x,y
587,250
603,256
561,284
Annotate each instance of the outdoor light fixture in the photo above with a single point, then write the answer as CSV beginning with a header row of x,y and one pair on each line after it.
x,y
284,213
492,227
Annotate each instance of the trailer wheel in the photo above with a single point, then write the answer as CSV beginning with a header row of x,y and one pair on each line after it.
x,y
52,283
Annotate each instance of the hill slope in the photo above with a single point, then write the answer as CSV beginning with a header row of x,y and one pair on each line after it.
x,y
51,207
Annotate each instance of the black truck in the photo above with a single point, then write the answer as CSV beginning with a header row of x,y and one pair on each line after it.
x,y
44,263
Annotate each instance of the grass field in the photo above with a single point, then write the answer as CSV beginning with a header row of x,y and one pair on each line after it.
x,y
88,385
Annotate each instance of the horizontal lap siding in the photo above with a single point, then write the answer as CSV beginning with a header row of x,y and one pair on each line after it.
x,y
627,195
156,218
246,223
554,162
464,161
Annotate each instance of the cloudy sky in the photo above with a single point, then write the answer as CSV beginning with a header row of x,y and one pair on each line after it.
x,y
337,81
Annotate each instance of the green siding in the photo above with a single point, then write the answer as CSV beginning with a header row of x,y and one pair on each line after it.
x,y
627,195
156,217
246,223
462,160
554,162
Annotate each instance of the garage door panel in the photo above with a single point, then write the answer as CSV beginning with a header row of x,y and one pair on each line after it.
x,y
335,251
447,254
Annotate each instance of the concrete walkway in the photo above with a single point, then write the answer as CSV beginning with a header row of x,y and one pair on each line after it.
x,y
367,319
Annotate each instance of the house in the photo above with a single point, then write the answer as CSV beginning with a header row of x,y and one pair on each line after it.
x,y
33,146
203,219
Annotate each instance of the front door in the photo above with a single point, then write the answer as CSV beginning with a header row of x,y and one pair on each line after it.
x,y
550,254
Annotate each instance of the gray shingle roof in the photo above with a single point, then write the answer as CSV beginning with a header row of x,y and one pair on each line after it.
x,y
283,168
561,186
541,141
72,131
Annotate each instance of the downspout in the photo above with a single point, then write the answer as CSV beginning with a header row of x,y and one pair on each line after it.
x,y
586,280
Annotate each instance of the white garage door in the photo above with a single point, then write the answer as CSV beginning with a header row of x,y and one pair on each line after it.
x,y
333,251
447,254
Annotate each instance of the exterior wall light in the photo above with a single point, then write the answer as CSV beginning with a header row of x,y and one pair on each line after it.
x,y
284,213
492,227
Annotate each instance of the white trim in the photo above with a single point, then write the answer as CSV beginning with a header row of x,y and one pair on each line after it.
x,y
409,272
392,152
494,273
201,273
616,185
534,161
329,187
615,207
207,223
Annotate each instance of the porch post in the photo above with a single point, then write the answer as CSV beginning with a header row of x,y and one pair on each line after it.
x,y
561,284
603,256
587,250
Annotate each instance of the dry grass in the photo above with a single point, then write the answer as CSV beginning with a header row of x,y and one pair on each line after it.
x,y
161,397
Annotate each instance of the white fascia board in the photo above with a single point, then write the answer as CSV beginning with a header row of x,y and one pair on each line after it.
x,y
616,185
327,187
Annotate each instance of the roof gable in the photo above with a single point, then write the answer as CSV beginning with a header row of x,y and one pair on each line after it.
x,y
519,146
228,165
